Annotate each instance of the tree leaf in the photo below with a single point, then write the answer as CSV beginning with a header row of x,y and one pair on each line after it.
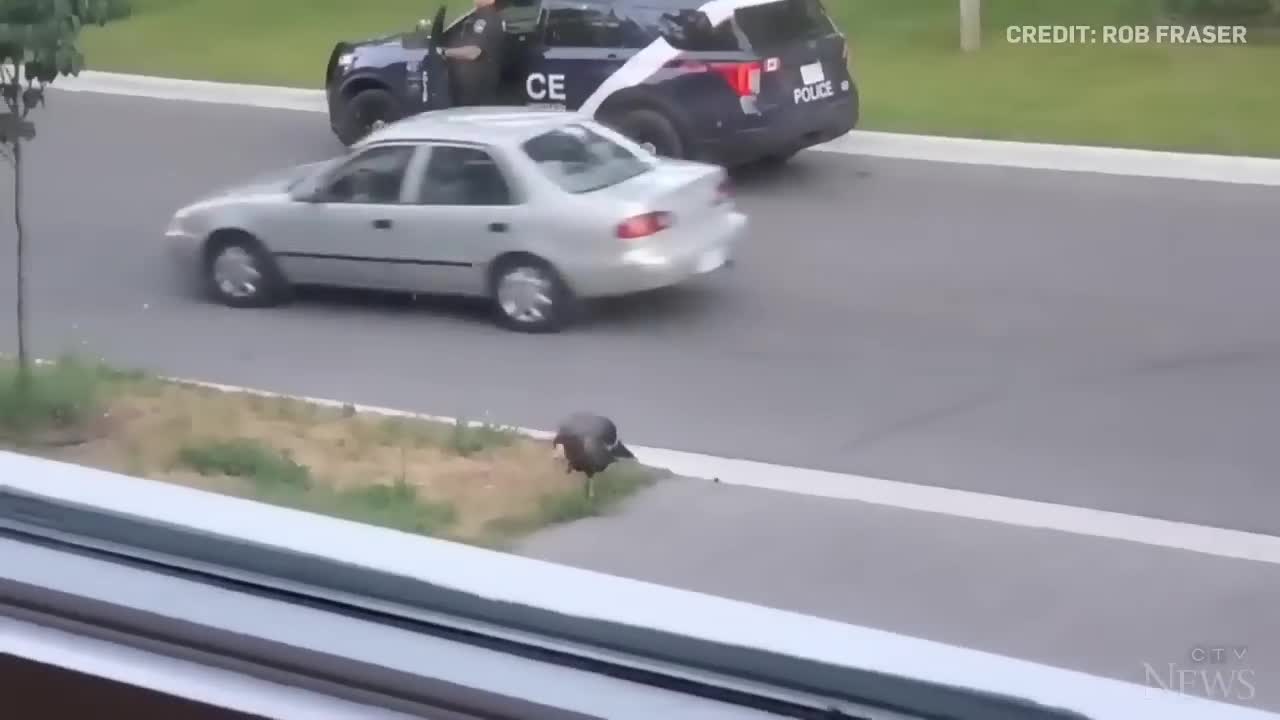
x,y
41,39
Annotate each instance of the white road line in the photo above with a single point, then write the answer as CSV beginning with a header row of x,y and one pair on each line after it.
x,y
146,86
1202,539
1077,158
1035,156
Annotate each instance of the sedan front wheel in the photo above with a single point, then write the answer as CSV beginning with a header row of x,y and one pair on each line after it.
x,y
241,274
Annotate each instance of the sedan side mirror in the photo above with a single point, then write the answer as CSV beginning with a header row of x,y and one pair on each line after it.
x,y
308,193
311,189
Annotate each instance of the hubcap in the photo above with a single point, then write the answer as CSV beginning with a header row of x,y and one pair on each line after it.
x,y
236,273
524,294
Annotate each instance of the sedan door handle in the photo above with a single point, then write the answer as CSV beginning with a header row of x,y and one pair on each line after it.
x,y
382,224
498,227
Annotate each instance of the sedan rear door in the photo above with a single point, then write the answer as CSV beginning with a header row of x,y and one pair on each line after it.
x,y
466,213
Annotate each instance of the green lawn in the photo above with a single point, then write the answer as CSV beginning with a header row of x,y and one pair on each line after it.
x,y
914,79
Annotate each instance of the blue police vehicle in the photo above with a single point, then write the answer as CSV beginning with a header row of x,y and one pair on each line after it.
x,y
732,82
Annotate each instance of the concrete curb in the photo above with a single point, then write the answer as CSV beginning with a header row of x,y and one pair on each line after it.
x,y
1017,512
1026,155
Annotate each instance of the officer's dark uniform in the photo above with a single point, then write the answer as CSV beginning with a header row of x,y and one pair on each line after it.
x,y
477,80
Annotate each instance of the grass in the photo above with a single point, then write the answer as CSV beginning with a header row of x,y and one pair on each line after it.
x,y
1212,99
1223,99
57,396
474,483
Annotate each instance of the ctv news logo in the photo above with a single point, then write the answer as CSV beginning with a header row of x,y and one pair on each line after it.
x,y
1213,672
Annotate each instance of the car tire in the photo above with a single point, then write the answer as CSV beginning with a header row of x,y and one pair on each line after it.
x,y
651,129
777,160
363,113
529,296
239,272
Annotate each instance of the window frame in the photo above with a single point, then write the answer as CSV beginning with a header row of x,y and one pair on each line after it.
x,y
810,5
426,151
324,183
646,13
580,6
603,132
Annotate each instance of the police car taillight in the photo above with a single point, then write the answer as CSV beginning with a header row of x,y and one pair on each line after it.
x,y
645,225
744,78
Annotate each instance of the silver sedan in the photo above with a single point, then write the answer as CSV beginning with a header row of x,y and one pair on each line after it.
x,y
533,209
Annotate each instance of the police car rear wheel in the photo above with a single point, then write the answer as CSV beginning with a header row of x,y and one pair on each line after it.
x,y
776,160
367,111
651,130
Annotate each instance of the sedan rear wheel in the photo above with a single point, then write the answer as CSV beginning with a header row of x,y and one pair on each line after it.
x,y
530,297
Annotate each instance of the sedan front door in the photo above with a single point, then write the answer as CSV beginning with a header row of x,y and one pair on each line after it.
x,y
346,234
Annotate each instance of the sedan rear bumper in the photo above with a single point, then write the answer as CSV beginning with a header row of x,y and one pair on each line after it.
x,y
650,268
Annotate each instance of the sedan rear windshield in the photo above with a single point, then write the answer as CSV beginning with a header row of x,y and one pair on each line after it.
x,y
774,25
581,160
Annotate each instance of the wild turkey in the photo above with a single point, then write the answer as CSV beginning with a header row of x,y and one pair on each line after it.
x,y
590,443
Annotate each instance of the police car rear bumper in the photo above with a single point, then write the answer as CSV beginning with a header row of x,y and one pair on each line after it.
x,y
801,130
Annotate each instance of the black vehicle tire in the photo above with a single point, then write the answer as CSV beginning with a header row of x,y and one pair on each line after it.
x,y
775,161
517,282
652,129
363,112
240,273
767,164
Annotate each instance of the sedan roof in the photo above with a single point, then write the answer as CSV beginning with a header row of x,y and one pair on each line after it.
x,y
488,125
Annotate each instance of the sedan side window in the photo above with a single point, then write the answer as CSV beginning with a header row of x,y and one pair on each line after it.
x,y
373,177
458,175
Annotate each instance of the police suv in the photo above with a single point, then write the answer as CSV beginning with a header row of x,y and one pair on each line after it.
x,y
725,81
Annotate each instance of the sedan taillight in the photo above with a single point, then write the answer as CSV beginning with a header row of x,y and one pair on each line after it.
x,y
642,226
724,193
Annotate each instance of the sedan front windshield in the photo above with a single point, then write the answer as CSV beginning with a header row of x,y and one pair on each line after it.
x,y
581,160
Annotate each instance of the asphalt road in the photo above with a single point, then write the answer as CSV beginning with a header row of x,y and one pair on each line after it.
x,y
1099,341
1195,624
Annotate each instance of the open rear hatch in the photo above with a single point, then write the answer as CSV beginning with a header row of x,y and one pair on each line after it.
x,y
804,57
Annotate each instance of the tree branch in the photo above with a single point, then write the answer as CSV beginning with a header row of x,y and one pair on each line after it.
x,y
33,96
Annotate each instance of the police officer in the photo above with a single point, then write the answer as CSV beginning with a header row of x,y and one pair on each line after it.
x,y
478,58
